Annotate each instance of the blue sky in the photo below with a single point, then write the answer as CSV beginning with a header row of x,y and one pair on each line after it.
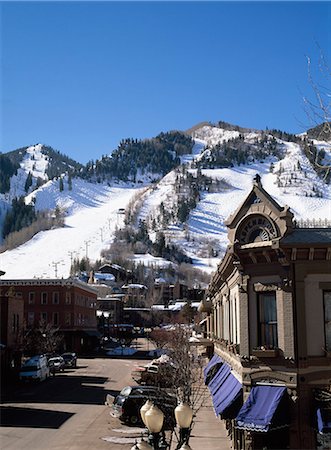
x,y
81,76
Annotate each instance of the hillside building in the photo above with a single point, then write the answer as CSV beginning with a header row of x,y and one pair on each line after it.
x,y
268,315
135,294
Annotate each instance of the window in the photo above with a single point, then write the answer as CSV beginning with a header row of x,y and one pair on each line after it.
x,y
56,318
327,319
43,316
68,318
68,298
32,297
44,298
267,320
31,318
56,298
16,322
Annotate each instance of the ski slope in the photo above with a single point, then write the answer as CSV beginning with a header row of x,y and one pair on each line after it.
x,y
89,228
92,209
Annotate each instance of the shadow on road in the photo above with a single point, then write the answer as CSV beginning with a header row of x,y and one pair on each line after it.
x,y
12,416
60,389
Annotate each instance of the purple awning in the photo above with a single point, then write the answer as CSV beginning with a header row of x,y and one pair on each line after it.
x,y
259,412
214,360
227,394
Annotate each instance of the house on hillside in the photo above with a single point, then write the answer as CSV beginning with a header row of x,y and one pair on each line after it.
x,y
135,294
120,273
67,304
268,314
165,293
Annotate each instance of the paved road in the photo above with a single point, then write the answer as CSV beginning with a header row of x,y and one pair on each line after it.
x,y
69,411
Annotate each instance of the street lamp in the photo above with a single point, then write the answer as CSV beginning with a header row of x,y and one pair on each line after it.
x,y
153,419
184,416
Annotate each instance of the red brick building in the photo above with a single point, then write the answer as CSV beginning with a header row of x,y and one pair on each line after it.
x,y
11,314
67,304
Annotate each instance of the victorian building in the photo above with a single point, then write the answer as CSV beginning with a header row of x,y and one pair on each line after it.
x,y
268,314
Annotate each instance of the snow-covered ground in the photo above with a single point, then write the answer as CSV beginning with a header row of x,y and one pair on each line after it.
x,y
89,227
205,231
92,209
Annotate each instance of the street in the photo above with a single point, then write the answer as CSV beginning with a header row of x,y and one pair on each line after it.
x,y
69,411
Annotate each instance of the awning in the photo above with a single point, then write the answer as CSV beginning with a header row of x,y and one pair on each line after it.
x,y
227,394
262,411
219,378
324,420
214,360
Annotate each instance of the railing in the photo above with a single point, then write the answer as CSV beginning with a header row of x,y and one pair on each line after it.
x,y
312,223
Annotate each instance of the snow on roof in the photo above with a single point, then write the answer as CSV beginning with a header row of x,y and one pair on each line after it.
x,y
104,276
178,306
159,280
134,286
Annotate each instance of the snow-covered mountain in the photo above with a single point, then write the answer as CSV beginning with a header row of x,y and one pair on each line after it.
x,y
290,171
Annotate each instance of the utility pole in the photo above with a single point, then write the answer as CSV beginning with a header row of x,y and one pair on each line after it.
x,y
86,247
55,264
71,254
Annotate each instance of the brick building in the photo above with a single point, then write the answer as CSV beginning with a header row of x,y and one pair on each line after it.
x,y
67,304
12,318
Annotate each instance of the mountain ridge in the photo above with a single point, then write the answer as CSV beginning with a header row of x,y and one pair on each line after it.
x,y
189,204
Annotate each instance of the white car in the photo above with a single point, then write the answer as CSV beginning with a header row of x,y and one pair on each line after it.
x,y
35,369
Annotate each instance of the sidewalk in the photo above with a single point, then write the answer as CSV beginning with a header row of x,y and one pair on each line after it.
x,y
209,432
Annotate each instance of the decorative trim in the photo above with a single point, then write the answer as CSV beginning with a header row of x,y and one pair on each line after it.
x,y
263,287
267,353
69,282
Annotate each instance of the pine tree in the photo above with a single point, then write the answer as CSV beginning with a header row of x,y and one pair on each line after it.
x,y
28,182
70,182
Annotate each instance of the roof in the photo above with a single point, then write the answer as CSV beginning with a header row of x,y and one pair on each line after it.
x,y
49,282
104,276
308,236
257,192
134,286
176,306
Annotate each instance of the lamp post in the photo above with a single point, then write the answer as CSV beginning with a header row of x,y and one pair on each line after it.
x,y
153,419
184,416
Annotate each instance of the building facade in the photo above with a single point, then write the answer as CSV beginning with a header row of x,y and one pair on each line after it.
x,y
67,304
268,312
12,319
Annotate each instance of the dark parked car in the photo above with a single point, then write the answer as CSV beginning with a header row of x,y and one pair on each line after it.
x,y
56,364
70,359
126,406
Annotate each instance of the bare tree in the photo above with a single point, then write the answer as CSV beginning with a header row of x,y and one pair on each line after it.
x,y
42,339
318,108
188,376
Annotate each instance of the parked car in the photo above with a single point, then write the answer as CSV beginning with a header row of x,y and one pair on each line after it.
x,y
35,369
56,364
126,405
160,372
70,359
